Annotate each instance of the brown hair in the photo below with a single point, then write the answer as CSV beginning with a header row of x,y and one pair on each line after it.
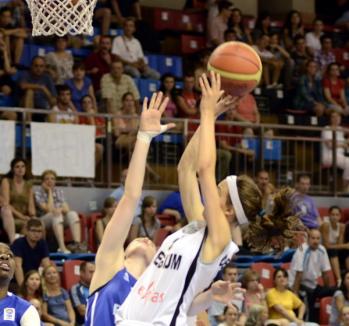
x,y
108,203
23,288
273,231
248,276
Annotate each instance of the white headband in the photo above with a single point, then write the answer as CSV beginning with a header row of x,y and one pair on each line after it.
x,y
235,199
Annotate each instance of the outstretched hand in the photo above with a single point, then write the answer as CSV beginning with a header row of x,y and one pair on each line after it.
x,y
225,292
151,115
226,103
210,93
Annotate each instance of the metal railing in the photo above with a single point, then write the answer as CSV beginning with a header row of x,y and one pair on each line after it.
x,y
290,151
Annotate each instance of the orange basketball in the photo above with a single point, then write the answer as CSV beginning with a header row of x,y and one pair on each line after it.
x,y
239,66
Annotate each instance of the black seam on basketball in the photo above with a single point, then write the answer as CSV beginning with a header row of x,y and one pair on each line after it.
x,y
239,56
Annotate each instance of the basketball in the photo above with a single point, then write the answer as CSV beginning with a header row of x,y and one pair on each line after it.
x,y
239,66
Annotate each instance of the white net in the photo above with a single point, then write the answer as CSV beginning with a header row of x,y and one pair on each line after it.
x,y
61,17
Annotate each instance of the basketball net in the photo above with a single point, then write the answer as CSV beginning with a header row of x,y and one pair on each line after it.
x,y
61,17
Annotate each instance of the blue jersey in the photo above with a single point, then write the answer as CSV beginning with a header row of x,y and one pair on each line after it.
x,y
13,308
103,303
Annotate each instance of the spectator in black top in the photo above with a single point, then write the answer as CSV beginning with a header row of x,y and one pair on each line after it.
x,y
30,251
293,27
262,26
79,292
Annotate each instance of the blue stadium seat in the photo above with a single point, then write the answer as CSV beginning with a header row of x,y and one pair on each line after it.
x,y
152,61
19,132
6,100
116,32
169,138
147,87
170,64
272,148
81,53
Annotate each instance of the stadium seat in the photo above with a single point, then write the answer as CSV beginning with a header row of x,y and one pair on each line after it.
x,y
323,211
83,225
192,44
160,236
325,310
147,87
166,219
170,64
332,279
265,271
164,19
71,273
286,266
91,238
345,215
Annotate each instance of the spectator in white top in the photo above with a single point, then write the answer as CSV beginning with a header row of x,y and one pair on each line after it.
x,y
309,263
312,39
129,50
342,145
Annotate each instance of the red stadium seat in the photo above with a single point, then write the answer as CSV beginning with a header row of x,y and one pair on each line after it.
x,y
71,273
323,211
192,44
345,215
160,236
83,224
325,310
332,279
265,271
166,219
286,266
91,238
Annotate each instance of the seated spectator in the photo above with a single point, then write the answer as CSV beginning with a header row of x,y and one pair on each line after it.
x,y
98,63
247,110
88,107
54,211
255,294
334,90
340,299
332,232
304,205
147,223
108,209
126,126
31,287
271,65
18,198
300,59
168,87
312,38
281,54
325,56
80,86
60,62
130,51
37,303
293,27
79,292
309,93
282,302
63,111
57,307
38,88
188,99
14,36
242,32
201,67
219,24
230,316
345,316
230,35
262,26
114,85
218,311
257,316
267,189
31,251
172,205
309,262
342,144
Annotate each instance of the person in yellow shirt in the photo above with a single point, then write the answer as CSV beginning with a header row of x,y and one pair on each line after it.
x,y
282,302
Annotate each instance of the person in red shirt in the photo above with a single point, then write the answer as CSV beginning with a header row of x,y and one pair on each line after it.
x,y
188,99
247,110
334,90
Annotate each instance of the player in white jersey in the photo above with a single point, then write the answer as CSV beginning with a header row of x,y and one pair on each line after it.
x,y
14,311
189,259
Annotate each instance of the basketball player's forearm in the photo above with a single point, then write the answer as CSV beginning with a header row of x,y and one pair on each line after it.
x,y
201,302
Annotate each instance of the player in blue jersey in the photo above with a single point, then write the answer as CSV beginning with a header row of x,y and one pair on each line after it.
x,y
117,269
13,309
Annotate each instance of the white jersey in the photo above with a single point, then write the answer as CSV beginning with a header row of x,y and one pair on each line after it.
x,y
164,293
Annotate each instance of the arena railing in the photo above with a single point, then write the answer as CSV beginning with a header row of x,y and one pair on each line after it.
x,y
284,151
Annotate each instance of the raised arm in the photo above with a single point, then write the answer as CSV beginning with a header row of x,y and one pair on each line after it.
x,y
110,255
219,234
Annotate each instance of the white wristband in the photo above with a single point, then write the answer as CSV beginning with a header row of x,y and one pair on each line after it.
x,y
147,136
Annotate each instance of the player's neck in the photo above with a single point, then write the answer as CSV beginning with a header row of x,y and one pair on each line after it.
x,y
135,265
3,292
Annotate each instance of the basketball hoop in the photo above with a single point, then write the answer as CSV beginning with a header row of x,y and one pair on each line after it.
x,y
61,17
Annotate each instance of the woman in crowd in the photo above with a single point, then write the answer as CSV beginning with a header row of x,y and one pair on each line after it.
x,y
255,294
293,27
334,90
340,299
168,87
80,86
18,199
332,233
309,92
243,33
262,26
147,223
341,145
60,62
57,307
108,209
55,212
345,316
231,316
282,302
31,286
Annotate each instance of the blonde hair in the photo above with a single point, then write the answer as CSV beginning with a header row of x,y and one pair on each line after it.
x,y
47,172
254,315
